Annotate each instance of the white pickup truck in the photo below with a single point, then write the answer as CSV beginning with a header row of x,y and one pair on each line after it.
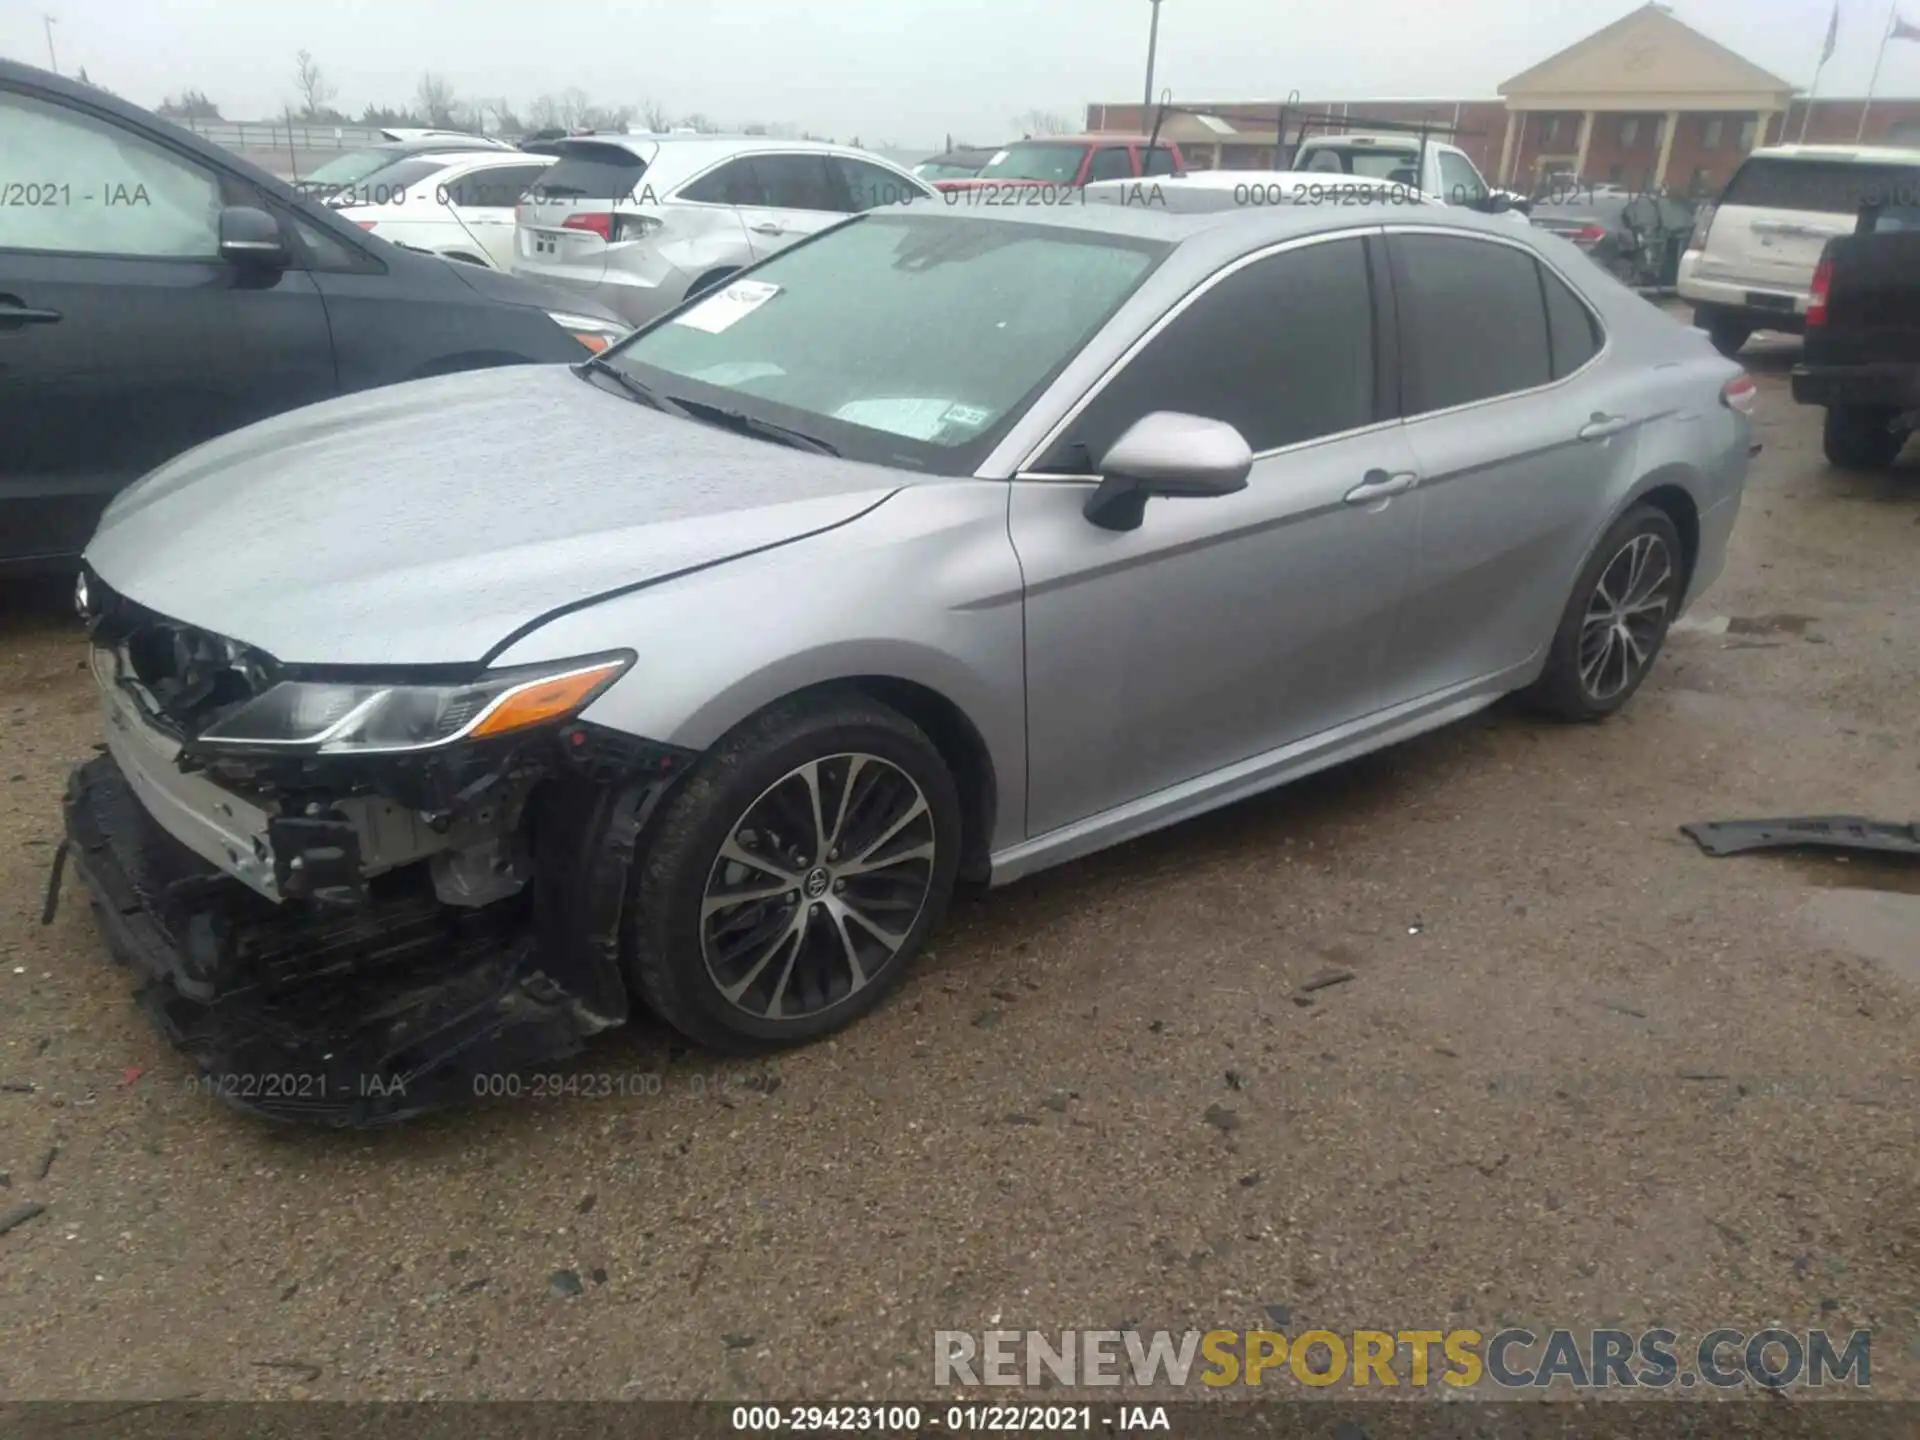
x,y
1444,174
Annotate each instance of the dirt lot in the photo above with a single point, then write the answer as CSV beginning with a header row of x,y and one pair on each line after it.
x,y
1582,1074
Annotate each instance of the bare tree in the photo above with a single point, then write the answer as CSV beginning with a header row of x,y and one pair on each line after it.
x,y
544,113
435,100
1042,122
700,124
655,116
312,83
505,122
191,105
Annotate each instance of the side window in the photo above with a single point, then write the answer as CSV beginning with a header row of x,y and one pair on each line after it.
x,y
871,187
1159,161
798,182
1573,335
1281,350
325,253
83,186
1473,323
1114,162
1460,180
497,186
734,183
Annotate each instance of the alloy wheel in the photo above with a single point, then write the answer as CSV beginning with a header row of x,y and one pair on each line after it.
x,y
817,886
1626,617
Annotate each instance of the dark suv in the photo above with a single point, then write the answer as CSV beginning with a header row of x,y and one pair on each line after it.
x,y
157,291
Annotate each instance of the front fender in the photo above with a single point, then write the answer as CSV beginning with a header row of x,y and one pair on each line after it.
x,y
925,588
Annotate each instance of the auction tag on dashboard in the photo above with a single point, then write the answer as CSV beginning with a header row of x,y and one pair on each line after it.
x,y
726,306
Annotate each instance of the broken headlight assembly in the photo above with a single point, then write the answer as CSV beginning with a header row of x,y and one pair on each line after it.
x,y
364,717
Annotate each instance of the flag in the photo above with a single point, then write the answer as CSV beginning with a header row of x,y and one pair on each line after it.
x,y
1833,34
1903,29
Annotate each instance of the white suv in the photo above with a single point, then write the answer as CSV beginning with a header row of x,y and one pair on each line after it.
x,y
1449,177
1750,263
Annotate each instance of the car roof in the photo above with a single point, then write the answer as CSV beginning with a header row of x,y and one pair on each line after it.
x,y
1856,154
712,144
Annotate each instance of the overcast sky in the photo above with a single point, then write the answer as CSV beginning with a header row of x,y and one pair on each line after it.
x,y
909,71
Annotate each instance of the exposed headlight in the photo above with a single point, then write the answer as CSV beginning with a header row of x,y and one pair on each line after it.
x,y
339,717
596,335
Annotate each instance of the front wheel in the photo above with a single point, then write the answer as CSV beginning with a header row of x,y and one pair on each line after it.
x,y
1861,437
1729,333
1615,622
791,880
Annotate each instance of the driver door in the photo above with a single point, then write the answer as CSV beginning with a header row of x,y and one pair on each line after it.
x,y
1226,627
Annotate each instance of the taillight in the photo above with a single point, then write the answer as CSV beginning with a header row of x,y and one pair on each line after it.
x,y
1589,235
600,223
1817,297
636,227
1702,223
366,224
1740,393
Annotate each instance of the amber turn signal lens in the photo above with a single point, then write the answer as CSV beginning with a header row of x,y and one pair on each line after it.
x,y
539,701
595,343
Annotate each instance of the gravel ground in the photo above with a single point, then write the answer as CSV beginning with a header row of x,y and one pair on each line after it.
x,y
1581,1074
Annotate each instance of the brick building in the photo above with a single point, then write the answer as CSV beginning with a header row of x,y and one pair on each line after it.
x,y
1647,102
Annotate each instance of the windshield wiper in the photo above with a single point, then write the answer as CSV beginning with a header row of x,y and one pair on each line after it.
x,y
645,394
745,424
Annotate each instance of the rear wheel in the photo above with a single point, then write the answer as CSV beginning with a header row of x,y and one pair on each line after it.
x,y
789,883
1616,621
1729,333
709,280
1861,437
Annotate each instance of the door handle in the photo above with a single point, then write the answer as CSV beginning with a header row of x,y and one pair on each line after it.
x,y
1379,485
1600,427
15,313
768,228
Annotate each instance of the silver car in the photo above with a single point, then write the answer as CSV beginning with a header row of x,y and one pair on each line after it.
x,y
448,723
641,221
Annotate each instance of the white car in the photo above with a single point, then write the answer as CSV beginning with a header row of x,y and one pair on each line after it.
x,y
459,206
1749,265
1445,174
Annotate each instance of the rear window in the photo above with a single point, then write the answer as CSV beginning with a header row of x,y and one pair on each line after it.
x,y
587,171
1831,187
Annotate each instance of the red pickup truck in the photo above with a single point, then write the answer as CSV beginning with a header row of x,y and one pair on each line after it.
x,y
1073,160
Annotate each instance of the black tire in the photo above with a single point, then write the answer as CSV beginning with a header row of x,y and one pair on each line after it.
x,y
709,280
1858,437
1729,333
749,776
1569,689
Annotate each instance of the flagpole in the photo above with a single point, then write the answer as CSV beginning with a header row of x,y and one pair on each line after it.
x,y
1893,11
1807,114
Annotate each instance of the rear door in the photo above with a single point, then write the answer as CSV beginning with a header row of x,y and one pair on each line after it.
x,y
1518,434
565,224
800,194
1779,211
483,197
124,337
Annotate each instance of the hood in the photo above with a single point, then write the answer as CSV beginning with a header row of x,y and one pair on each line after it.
x,y
424,523
517,290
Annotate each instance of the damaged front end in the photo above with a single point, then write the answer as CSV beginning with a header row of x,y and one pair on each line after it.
x,y
356,896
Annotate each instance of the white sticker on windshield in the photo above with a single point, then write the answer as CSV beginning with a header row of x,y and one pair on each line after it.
x,y
966,417
727,306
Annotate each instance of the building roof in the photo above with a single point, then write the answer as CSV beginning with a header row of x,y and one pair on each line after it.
x,y
1646,50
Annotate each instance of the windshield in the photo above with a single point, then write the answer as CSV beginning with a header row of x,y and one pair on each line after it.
x,y
1401,165
912,340
389,185
944,170
349,168
1058,163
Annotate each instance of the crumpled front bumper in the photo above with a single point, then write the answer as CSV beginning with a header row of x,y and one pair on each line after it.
x,y
362,1016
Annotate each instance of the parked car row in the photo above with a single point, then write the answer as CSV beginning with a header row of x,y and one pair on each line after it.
x,y
157,291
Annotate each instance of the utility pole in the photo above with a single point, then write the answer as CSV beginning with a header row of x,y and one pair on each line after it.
x,y
1153,44
53,61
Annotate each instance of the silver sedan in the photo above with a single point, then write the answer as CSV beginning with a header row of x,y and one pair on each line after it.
x,y
942,546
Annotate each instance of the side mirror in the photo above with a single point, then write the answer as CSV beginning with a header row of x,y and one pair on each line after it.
x,y
1496,204
1170,454
251,237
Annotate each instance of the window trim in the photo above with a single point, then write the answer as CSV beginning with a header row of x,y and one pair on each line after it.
x,y
1023,472
677,195
1593,313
